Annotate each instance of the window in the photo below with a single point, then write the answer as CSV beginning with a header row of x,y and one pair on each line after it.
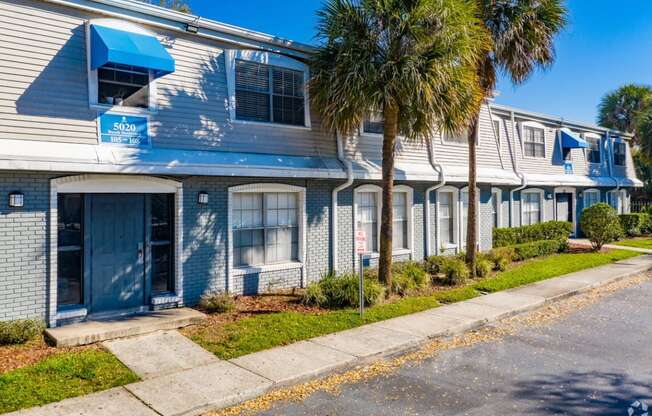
x,y
265,228
594,154
619,154
368,218
267,93
162,237
618,201
123,85
373,124
400,224
496,197
534,142
70,249
496,125
591,198
458,138
531,207
465,215
447,217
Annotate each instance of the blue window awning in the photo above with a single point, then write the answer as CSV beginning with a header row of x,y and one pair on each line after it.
x,y
116,46
570,140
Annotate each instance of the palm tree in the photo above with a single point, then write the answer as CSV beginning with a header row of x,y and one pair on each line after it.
x,y
626,108
412,61
522,33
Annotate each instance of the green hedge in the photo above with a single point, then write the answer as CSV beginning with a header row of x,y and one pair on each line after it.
x,y
538,248
636,223
20,331
551,230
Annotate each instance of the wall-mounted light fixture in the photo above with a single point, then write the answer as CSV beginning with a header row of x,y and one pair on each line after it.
x,y
16,199
202,198
192,28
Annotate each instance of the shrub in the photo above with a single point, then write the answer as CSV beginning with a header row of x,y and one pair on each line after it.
x,y
483,266
502,257
20,331
537,248
455,270
635,224
342,291
408,277
550,230
600,224
433,264
217,302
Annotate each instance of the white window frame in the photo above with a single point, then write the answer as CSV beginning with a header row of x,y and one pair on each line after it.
x,y
460,203
624,143
542,194
93,86
232,270
497,134
367,133
535,125
456,220
622,200
267,58
444,141
593,136
589,191
379,206
499,206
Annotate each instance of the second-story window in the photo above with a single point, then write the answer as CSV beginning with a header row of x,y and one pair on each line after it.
x,y
374,124
123,85
458,138
534,144
594,154
619,154
267,93
496,131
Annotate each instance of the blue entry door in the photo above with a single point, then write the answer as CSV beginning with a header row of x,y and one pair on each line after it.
x,y
117,252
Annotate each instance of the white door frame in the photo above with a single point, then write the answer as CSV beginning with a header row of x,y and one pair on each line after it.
x,y
101,183
572,191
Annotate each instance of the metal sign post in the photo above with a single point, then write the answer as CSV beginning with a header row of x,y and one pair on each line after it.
x,y
360,249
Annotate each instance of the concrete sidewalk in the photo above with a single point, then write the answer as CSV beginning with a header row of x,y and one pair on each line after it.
x,y
201,384
586,243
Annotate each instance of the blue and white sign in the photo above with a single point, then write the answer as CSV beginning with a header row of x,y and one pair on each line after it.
x,y
568,167
126,130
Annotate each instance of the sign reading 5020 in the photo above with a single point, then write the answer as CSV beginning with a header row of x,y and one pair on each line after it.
x,y
122,129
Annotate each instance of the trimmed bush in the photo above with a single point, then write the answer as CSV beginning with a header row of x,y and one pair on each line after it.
x,y
550,230
342,291
20,331
483,266
502,257
537,248
455,270
217,302
600,224
635,224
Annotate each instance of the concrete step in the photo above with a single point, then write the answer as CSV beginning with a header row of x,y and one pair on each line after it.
x,y
93,331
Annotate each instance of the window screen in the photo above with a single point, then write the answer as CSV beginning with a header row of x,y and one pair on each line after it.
x,y
594,154
531,208
400,223
534,142
446,217
367,221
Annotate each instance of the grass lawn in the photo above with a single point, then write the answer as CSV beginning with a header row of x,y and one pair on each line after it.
x,y
636,242
248,335
60,376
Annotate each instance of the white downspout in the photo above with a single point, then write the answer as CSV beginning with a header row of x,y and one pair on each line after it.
x,y
516,172
349,181
442,181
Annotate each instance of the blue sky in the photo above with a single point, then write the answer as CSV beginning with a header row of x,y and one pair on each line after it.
x,y
606,44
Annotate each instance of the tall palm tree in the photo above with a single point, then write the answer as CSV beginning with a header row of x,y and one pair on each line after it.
x,y
413,61
522,33
626,108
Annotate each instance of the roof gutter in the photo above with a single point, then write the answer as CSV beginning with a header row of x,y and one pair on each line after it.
x,y
437,167
519,174
207,28
349,181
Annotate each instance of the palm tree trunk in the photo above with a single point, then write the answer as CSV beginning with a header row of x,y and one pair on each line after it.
x,y
389,139
472,213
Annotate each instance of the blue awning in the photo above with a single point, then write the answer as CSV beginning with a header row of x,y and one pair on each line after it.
x,y
127,48
570,140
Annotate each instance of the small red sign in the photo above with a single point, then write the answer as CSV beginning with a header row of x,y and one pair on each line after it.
x,y
360,242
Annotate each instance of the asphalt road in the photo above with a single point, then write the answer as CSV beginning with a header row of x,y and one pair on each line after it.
x,y
594,361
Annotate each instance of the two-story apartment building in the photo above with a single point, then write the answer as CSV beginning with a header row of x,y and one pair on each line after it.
x,y
149,156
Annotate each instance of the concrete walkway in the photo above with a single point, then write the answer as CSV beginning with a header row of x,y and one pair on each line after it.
x,y
586,243
179,390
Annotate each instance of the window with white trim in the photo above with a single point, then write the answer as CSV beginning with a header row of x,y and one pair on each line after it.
x,y
447,205
267,93
123,85
367,221
591,198
496,124
534,144
265,228
464,201
400,220
532,205
620,151
594,153
456,138
373,124
495,208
